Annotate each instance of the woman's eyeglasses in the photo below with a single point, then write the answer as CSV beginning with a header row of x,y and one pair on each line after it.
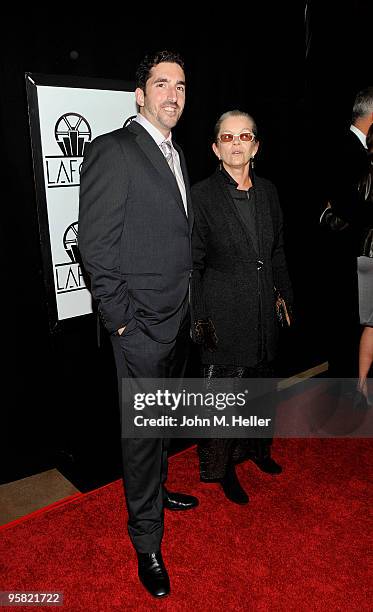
x,y
244,137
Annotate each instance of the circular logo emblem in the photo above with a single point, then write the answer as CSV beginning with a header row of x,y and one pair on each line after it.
x,y
70,242
72,134
129,120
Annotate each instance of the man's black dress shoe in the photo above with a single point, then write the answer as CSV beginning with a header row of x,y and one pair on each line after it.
x,y
232,487
267,465
153,574
179,501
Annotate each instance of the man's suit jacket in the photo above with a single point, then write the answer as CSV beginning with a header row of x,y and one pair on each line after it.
x,y
348,162
134,234
350,214
348,166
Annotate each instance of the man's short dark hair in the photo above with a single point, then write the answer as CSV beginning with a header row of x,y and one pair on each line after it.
x,y
149,61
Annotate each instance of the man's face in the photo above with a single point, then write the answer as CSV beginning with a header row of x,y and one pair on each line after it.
x,y
164,97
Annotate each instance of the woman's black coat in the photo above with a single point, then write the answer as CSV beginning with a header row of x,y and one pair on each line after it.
x,y
232,283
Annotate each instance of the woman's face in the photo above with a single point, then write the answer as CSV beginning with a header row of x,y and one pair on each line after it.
x,y
235,153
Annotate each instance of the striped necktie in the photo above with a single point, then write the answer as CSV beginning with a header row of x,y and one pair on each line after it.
x,y
167,152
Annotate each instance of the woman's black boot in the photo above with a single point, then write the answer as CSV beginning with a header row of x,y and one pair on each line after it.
x,y
232,488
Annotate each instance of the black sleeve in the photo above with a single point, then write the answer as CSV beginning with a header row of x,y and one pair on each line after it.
x,y
103,193
346,173
199,246
279,266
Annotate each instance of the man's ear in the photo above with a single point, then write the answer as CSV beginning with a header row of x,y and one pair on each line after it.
x,y
139,95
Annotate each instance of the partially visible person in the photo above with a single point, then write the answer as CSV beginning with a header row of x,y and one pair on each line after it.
x,y
238,261
365,275
346,213
350,158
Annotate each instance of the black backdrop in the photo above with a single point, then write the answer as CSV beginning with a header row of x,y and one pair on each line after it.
x,y
298,79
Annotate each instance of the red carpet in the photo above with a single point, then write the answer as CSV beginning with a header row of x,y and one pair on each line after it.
x,y
301,544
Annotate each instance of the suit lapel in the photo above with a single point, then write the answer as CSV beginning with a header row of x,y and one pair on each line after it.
x,y
149,147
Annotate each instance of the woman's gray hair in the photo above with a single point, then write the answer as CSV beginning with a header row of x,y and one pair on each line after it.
x,y
234,113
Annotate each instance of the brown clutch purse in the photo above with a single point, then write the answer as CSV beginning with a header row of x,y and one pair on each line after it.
x,y
205,334
282,311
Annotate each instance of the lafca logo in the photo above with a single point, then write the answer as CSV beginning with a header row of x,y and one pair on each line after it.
x,y
69,275
73,134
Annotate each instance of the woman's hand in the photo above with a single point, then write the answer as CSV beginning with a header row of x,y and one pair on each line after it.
x,y
204,334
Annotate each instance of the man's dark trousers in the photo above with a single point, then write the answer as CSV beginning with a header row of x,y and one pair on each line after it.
x,y
145,459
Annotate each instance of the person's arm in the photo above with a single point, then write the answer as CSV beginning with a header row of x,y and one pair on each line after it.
x,y
199,244
279,266
348,204
203,330
103,193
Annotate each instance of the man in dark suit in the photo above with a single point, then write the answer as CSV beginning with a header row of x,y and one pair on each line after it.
x,y
346,215
135,226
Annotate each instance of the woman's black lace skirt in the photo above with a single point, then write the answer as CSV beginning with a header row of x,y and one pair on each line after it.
x,y
216,454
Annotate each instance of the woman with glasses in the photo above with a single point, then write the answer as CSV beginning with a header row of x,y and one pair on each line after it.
x,y
239,264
